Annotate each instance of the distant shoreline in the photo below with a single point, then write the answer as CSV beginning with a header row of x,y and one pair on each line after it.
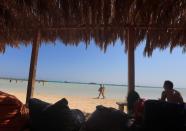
x,y
72,82
77,89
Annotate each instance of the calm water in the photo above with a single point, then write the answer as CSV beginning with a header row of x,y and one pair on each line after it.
x,y
90,90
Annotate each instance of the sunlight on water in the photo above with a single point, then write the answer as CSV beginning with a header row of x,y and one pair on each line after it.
x,y
90,90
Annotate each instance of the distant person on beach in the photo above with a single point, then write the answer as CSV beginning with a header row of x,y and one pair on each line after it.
x,y
101,91
10,80
171,95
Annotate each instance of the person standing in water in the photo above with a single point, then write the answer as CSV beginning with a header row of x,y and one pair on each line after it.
x,y
101,91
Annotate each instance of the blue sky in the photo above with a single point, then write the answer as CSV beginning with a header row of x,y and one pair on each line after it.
x,y
71,63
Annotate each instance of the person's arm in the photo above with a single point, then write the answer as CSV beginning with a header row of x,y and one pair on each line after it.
x,y
163,96
180,98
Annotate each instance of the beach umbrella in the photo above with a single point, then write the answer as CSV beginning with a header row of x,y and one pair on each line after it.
x,y
160,22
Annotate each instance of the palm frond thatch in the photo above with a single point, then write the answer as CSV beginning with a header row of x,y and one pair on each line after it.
x,y
161,22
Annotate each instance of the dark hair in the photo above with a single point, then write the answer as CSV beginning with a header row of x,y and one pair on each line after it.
x,y
132,97
168,84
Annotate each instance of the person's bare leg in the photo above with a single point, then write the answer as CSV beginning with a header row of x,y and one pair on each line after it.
x,y
99,95
102,93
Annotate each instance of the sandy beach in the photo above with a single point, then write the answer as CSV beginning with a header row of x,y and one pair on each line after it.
x,y
85,104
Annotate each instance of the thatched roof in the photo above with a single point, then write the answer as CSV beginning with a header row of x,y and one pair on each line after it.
x,y
161,22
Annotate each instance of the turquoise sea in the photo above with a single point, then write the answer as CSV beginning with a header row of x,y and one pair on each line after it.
x,y
77,89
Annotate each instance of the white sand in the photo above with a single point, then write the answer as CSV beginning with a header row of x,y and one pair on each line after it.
x,y
85,104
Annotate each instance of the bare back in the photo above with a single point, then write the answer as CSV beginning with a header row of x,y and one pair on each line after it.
x,y
172,96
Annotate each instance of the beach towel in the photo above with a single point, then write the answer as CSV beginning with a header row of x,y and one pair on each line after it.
x,y
13,114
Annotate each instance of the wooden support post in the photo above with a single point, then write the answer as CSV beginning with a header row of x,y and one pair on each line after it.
x,y
131,63
33,66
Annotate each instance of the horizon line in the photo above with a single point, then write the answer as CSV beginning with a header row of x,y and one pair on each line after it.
x,y
75,82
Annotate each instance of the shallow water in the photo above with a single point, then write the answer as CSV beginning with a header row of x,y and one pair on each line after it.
x,y
90,90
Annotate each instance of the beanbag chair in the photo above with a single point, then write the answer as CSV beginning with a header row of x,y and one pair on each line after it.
x,y
163,115
13,114
36,108
106,119
55,117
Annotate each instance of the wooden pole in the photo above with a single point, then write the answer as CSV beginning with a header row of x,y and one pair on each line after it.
x,y
131,64
33,66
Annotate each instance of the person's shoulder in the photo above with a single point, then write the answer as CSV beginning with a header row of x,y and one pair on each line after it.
x,y
177,92
163,93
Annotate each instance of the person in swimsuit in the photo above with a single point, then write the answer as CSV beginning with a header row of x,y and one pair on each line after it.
x,y
101,91
171,95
